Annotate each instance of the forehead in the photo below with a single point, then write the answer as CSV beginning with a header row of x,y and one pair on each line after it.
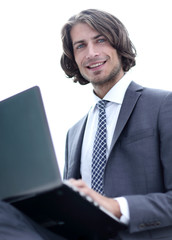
x,y
82,32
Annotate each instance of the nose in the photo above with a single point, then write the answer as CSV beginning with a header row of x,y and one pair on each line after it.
x,y
91,51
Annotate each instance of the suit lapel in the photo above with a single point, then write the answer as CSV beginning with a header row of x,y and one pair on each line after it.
x,y
75,149
132,95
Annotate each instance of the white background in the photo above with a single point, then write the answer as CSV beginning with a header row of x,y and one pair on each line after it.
x,y
30,51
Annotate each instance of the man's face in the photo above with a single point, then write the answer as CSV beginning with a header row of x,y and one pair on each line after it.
x,y
97,60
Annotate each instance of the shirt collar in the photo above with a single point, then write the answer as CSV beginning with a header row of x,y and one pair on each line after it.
x,y
117,92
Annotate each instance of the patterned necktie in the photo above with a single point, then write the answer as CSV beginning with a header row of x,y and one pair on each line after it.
x,y
99,150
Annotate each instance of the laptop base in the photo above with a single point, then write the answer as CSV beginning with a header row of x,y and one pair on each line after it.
x,y
68,214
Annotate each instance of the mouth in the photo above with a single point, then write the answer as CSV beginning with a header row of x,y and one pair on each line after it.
x,y
96,66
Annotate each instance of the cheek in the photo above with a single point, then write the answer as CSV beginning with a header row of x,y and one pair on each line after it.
x,y
77,60
80,58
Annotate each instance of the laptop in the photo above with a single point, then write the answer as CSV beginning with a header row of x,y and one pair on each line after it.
x,y
30,178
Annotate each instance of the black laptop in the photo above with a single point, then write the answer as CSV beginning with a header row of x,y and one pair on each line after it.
x,y
30,178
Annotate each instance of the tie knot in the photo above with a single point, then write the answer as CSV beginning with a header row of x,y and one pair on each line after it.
x,y
102,104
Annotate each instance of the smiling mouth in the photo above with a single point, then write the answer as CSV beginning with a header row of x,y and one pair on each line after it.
x,y
96,65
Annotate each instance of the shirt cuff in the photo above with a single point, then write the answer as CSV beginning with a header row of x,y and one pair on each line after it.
x,y
125,218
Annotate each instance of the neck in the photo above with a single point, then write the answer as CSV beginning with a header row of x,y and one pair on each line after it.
x,y
102,89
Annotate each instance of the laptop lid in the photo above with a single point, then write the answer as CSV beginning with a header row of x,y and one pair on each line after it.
x,y
27,158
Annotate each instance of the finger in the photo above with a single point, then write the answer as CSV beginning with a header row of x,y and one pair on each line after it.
x,y
78,183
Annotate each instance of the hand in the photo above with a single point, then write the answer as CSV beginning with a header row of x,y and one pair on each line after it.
x,y
108,203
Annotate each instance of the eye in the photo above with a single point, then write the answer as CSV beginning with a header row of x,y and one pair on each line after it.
x,y
79,46
101,40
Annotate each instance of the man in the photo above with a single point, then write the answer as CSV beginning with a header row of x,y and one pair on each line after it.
x,y
137,175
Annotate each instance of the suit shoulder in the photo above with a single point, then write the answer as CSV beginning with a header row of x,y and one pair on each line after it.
x,y
78,125
156,94
156,91
150,92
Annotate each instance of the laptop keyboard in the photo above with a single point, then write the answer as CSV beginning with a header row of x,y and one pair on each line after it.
x,y
88,198
81,193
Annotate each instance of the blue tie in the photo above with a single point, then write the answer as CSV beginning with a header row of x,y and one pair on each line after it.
x,y
99,150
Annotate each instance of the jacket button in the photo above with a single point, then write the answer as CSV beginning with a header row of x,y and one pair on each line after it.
x,y
142,225
158,223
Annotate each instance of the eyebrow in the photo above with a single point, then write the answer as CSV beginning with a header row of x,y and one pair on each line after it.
x,y
82,41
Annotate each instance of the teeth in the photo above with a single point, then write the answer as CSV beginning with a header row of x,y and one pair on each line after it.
x,y
95,65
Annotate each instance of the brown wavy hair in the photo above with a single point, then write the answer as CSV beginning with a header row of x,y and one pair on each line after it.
x,y
108,26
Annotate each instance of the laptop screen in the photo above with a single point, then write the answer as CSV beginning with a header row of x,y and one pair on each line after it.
x,y
27,158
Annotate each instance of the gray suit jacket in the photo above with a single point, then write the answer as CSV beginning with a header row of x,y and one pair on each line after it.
x,y
139,166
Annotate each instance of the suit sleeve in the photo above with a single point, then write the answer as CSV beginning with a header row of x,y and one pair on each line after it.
x,y
154,210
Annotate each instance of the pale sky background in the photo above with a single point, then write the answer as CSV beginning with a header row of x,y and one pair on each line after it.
x,y
30,51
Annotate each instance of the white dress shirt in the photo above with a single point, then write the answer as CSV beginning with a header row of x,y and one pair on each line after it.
x,y
115,97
